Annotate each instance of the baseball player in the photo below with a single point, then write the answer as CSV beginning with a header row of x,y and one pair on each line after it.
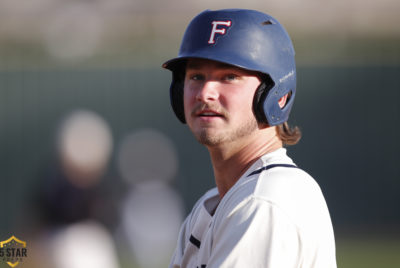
x,y
233,84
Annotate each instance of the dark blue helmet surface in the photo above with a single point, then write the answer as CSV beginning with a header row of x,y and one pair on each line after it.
x,y
243,38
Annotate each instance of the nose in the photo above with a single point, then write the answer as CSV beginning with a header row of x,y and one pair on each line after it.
x,y
208,92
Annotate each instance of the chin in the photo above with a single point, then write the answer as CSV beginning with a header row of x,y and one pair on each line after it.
x,y
209,139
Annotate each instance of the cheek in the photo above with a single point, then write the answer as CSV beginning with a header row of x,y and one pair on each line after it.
x,y
242,106
243,101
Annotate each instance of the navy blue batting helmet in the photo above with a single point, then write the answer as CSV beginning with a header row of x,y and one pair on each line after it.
x,y
247,39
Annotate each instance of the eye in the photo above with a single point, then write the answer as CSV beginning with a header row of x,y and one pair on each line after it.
x,y
230,77
196,77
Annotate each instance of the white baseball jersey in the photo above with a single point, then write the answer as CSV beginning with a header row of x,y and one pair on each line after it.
x,y
275,216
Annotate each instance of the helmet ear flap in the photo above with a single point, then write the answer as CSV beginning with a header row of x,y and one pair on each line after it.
x,y
259,98
176,93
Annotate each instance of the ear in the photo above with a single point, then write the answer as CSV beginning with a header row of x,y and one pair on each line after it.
x,y
282,101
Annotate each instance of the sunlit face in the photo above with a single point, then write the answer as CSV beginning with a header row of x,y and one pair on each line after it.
x,y
218,101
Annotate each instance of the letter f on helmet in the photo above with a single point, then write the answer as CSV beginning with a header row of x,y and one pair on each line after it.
x,y
216,30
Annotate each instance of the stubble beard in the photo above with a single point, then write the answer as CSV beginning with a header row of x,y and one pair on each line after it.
x,y
208,138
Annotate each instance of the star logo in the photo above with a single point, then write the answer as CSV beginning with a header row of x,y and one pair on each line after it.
x,y
13,251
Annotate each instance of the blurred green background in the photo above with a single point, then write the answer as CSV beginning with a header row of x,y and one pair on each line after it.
x,y
57,57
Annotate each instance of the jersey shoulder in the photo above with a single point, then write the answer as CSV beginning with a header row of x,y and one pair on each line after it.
x,y
285,184
292,191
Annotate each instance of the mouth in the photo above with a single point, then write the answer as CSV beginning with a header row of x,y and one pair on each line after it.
x,y
208,113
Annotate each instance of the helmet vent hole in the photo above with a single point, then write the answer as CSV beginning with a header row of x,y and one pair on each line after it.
x,y
289,95
268,22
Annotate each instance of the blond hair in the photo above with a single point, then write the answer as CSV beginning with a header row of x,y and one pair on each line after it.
x,y
289,135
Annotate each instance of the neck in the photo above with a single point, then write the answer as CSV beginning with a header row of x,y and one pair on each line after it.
x,y
231,160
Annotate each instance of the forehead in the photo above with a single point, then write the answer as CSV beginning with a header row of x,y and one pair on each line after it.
x,y
194,63
198,64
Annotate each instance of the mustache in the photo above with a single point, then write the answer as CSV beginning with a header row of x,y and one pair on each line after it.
x,y
204,106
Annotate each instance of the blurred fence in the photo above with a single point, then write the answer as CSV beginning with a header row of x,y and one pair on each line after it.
x,y
349,117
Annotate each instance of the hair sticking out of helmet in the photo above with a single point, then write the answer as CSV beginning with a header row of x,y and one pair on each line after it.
x,y
288,135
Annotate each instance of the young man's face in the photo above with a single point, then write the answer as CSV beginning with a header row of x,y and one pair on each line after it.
x,y
218,101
